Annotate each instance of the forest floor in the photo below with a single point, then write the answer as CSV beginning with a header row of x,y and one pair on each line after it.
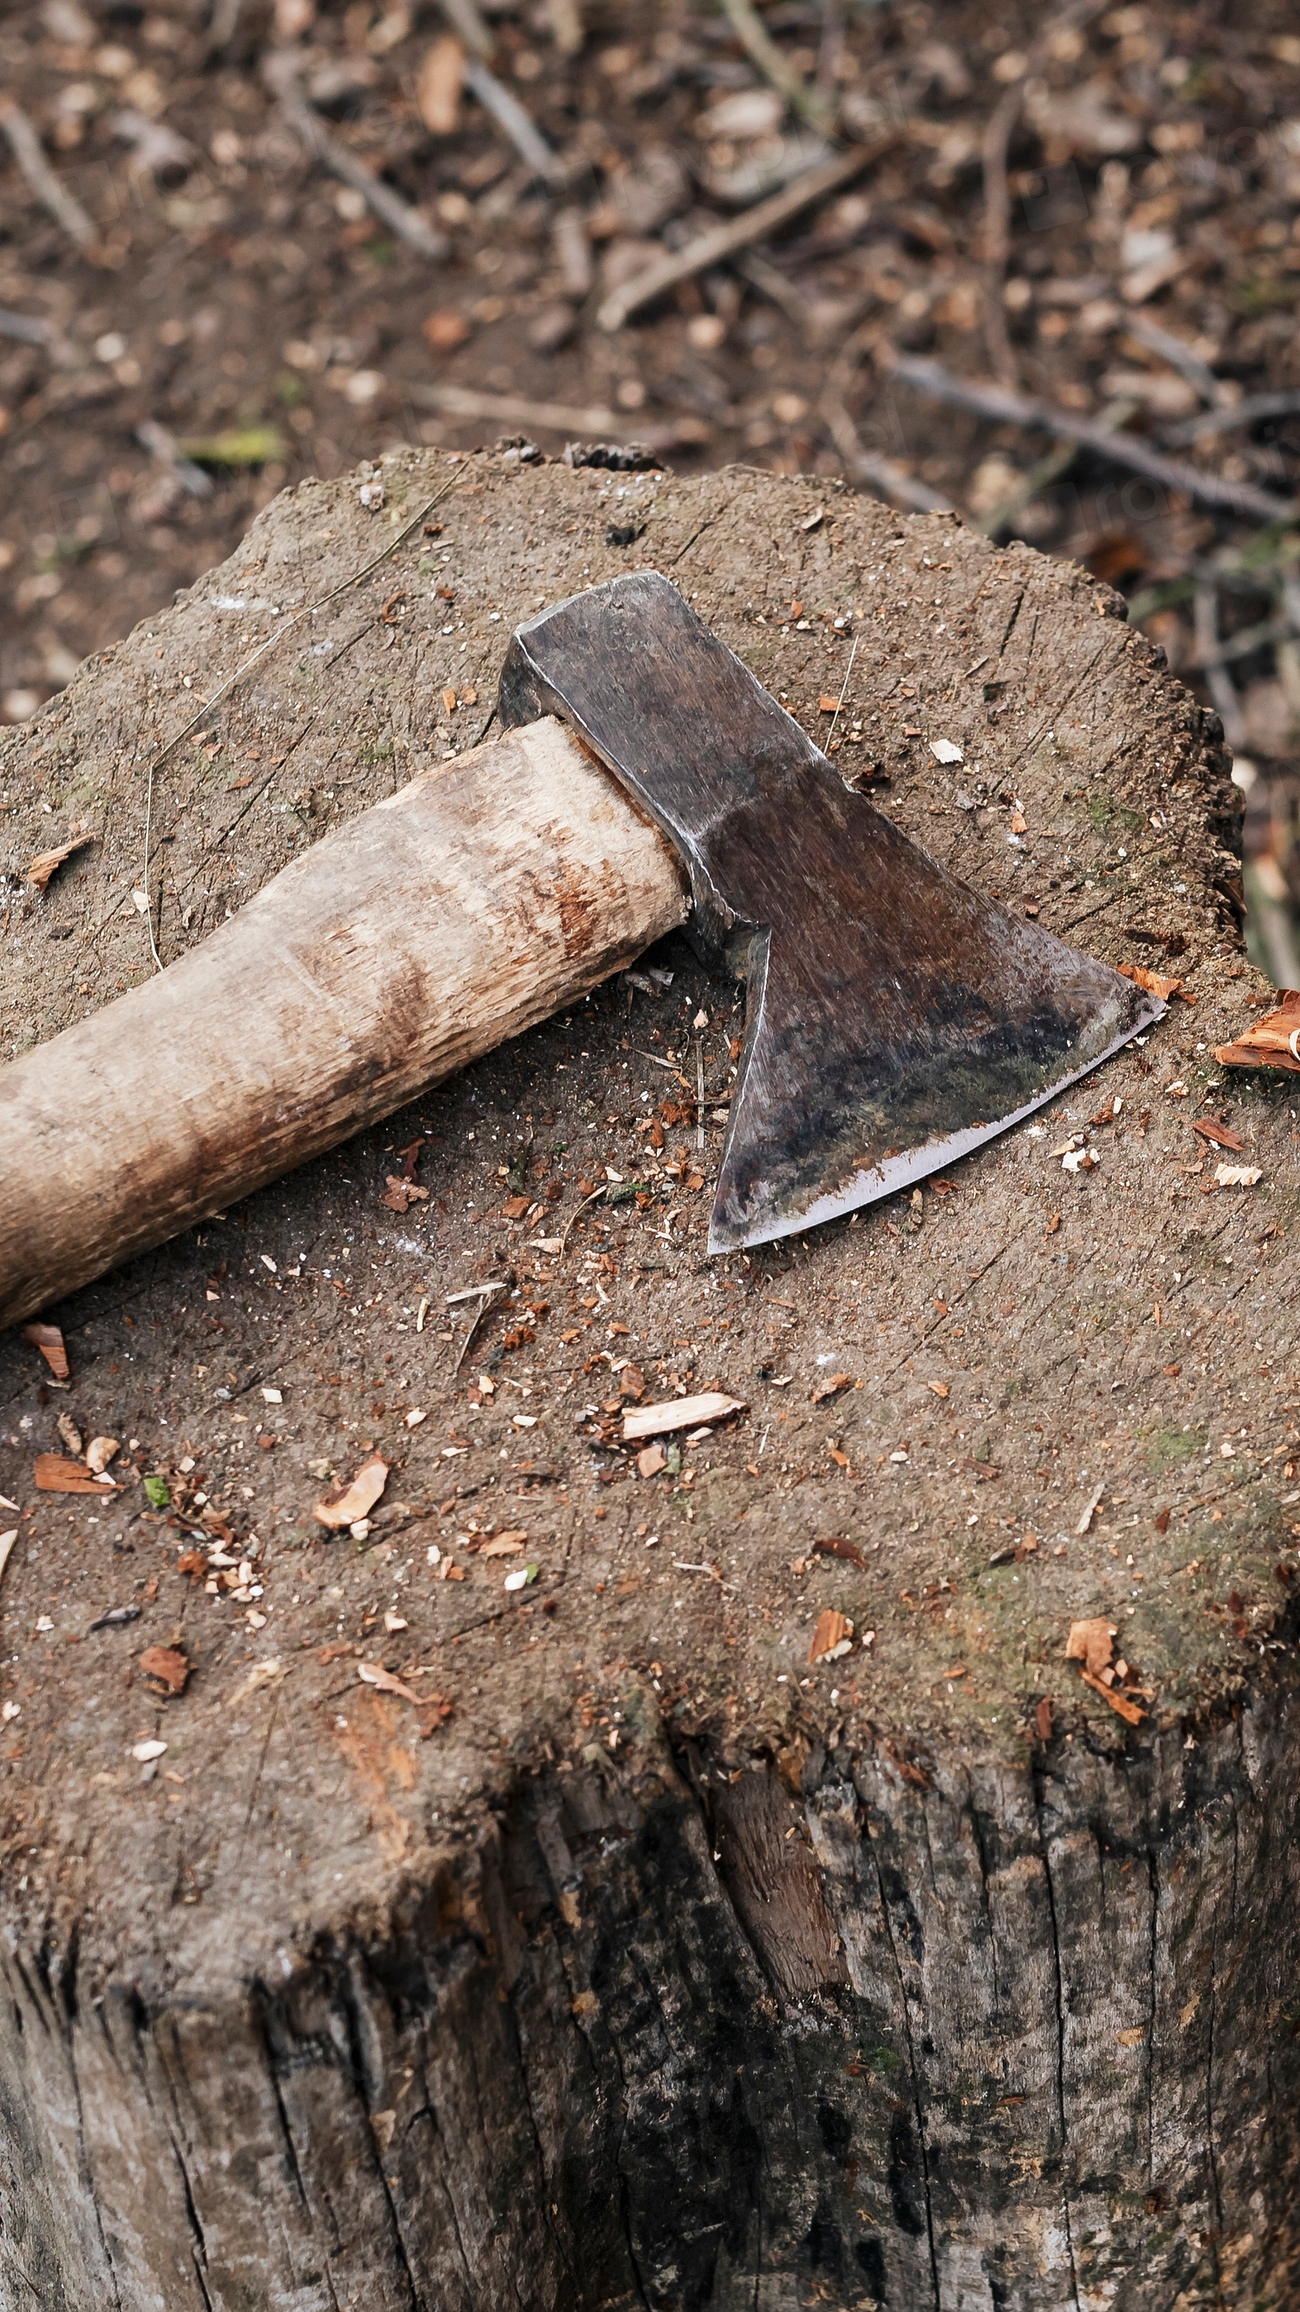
x,y
1097,210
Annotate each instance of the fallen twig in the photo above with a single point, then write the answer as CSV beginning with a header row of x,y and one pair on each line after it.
x,y
1246,640
466,18
1231,415
998,133
865,465
758,43
1123,449
1048,470
1179,356
281,74
161,445
1218,681
511,409
584,425
519,125
49,190
488,1293
722,241
25,328
578,1211
862,464
997,228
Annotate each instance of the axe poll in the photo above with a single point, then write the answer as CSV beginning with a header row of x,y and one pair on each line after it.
x,y
643,779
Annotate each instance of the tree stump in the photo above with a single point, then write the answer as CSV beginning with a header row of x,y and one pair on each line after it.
x,y
643,1960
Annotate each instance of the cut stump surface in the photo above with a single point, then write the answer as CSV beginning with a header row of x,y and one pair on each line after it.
x,y
643,1961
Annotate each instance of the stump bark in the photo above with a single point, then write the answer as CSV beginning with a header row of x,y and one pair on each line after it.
x,y
666,1968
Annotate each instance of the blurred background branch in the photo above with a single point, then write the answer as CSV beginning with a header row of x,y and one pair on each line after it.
x,y
247,240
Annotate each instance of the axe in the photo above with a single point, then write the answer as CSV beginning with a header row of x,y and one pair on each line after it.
x,y
643,779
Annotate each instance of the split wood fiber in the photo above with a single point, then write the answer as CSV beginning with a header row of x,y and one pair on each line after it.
x,y
450,916
672,1970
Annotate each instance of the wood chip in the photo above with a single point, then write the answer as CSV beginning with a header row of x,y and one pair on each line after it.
x,y
1126,1709
1218,1134
832,1636
263,1673
650,1460
848,1550
55,1475
1238,1175
503,1545
679,1413
360,1496
99,1452
373,1674
49,1340
168,1665
1090,1508
832,1387
1091,1643
1274,1042
46,862
7,1541
438,85
1154,982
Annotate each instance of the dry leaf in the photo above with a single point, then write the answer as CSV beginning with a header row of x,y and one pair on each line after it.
x,y
99,1452
832,1636
1274,1042
515,1207
42,867
1154,982
940,1388
361,1496
832,1387
1219,1134
49,1340
1238,1175
438,85
55,1475
504,1545
679,1413
371,1674
400,1194
1091,1643
168,1665
70,1434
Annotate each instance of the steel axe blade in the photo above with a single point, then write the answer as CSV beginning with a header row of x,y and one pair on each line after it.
x,y
896,1018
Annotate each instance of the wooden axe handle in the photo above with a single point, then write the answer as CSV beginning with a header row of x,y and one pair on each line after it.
x,y
482,897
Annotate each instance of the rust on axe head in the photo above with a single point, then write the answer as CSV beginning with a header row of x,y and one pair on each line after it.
x,y
895,1018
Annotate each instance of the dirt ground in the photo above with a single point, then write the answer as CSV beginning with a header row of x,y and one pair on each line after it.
x,y
236,289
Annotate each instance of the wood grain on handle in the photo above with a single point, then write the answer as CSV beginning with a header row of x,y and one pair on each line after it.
x,y
478,900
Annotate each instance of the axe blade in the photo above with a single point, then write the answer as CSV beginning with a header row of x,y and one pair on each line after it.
x,y
896,1019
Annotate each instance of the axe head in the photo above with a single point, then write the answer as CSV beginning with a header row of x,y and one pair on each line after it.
x,y
895,1019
